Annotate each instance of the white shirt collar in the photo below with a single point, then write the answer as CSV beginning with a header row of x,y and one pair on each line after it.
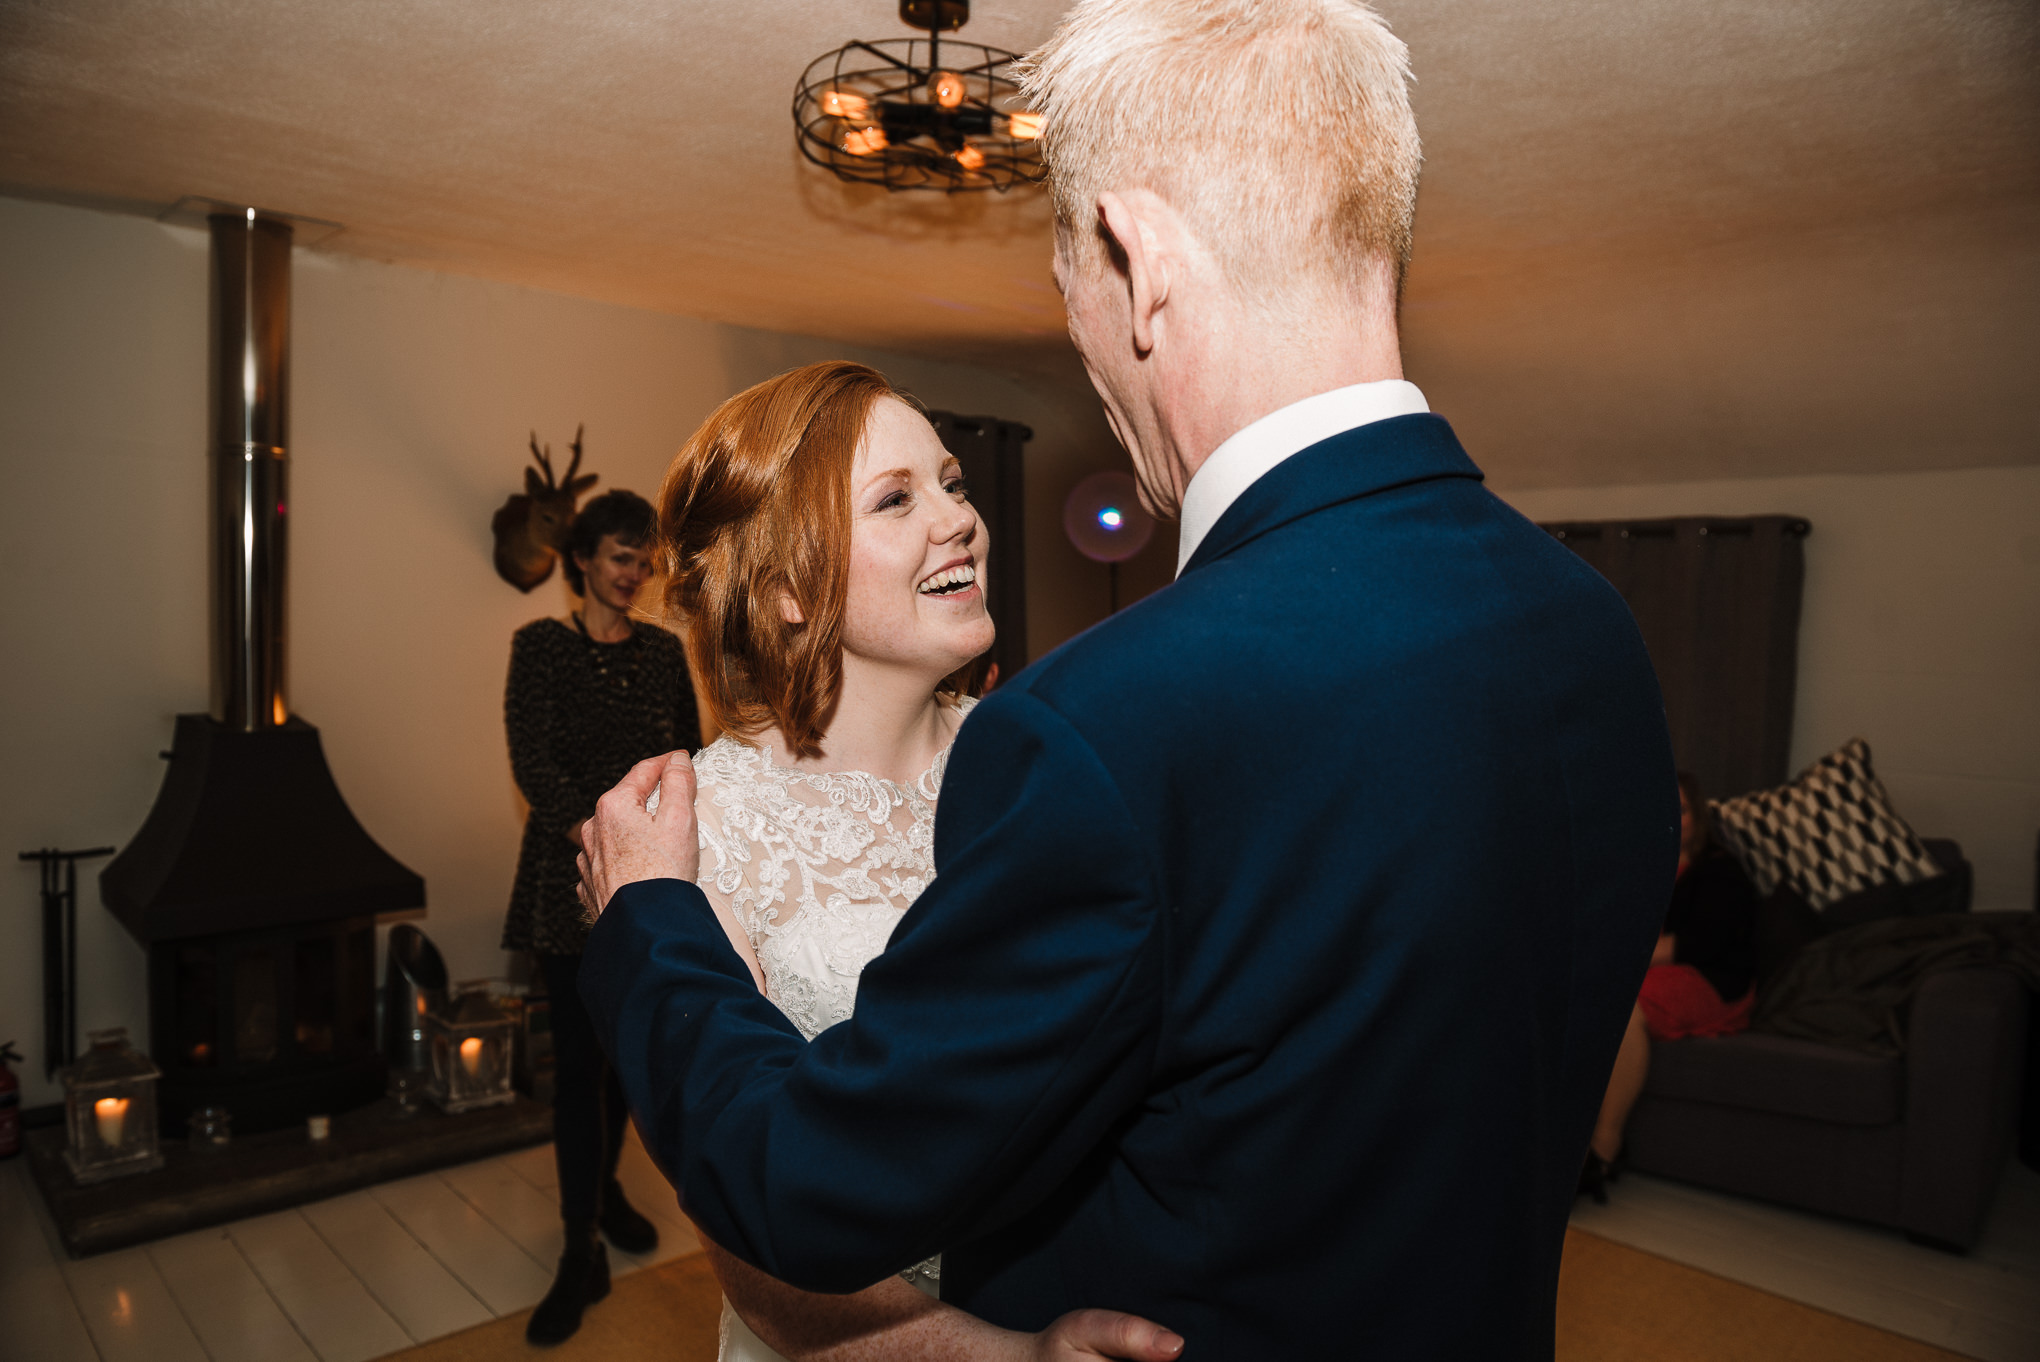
x,y
1239,463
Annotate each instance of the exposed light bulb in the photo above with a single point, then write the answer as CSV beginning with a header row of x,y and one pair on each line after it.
x,y
864,141
1111,518
969,157
1024,126
845,104
948,88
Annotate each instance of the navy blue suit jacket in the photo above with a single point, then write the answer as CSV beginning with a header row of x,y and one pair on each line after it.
x,y
1284,930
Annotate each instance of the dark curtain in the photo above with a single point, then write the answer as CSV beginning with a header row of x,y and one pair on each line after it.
x,y
990,451
1717,599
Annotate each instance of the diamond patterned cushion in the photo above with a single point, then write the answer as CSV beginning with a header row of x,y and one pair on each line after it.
x,y
1829,833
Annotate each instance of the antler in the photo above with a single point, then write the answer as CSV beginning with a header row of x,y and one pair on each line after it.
x,y
575,466
545,460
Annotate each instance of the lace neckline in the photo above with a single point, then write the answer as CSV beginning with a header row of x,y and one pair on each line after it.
x,y
927,785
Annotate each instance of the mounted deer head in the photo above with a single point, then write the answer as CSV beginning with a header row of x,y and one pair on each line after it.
x,y
531,527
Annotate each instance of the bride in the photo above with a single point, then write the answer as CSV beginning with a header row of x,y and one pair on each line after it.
x,y
815,537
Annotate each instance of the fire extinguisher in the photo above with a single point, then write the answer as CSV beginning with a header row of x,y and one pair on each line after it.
x,y
10,1103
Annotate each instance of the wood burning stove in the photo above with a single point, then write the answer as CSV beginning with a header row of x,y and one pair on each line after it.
x,y
251,882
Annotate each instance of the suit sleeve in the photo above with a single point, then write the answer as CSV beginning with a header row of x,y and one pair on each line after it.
x,y
1011,1021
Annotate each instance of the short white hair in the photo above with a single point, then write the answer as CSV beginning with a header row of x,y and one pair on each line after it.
x,y
1280,129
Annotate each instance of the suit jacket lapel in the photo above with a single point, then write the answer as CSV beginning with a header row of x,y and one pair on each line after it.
x,y
1355,463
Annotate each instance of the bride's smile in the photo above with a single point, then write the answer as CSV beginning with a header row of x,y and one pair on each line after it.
x,y
916,596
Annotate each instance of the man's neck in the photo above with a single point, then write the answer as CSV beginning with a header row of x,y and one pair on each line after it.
x,y
1258,369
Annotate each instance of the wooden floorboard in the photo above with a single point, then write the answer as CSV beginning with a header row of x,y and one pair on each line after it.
x,y
1984,1304
370,1272
228,1307
487,1261
129,1310
405,1279
38,1316
327,1302
528,1217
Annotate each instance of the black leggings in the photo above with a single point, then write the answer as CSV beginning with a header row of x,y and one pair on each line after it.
x,y
589,1115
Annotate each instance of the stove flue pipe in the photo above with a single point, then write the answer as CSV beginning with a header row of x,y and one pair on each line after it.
x,y
250,447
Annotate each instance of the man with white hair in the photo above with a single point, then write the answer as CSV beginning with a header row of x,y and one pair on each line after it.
x,y
1287,923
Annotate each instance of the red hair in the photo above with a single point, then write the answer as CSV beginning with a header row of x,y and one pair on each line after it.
x,y
755,510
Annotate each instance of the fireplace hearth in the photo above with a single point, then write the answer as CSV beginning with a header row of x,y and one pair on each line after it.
x,y
251,883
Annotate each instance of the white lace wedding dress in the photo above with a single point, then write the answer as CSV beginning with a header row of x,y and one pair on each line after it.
x,y
818,868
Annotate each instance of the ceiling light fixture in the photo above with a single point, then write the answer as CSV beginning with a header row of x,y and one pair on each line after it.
x,y
914,113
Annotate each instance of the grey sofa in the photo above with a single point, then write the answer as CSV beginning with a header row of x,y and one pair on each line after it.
x,y
1915,1141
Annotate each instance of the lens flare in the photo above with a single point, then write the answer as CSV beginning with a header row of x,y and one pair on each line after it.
x,y
1111,518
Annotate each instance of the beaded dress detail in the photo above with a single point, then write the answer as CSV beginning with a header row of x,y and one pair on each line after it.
x,y
817,867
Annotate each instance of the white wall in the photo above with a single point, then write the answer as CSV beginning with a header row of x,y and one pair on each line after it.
x,y
1919,631
412,395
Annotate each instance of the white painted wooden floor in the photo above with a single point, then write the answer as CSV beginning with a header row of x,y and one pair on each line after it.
x,y
1983,1304
375,1271
345,1280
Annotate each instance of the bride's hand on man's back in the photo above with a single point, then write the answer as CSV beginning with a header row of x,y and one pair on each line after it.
x,y
1085,1334
625,842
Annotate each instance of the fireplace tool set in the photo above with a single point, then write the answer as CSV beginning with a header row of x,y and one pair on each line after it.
x,y
60,951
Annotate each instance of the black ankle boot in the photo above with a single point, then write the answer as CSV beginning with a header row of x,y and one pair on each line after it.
x,y
1594,1179
583,1279
623,1226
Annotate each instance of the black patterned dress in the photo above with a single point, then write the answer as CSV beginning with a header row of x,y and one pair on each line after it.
x,y
580,714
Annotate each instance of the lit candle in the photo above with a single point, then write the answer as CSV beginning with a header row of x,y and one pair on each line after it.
x,y
111,1114
471,1056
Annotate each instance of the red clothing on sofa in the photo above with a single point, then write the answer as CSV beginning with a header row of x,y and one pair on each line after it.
x,y
1677,1001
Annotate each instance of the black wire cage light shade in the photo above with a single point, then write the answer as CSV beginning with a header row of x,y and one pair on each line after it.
x,y
919,113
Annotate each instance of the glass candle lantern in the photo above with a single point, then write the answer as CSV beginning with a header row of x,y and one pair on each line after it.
x,y
471,1054
110,1110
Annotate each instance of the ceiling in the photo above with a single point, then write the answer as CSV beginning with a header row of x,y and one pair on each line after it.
x,y
1655,238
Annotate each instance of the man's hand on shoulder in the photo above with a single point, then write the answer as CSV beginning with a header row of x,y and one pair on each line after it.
x,y
625,842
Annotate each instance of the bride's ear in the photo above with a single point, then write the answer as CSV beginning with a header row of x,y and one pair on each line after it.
x,y
789,608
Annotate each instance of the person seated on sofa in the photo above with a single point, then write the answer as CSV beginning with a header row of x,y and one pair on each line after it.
x,y
1701,976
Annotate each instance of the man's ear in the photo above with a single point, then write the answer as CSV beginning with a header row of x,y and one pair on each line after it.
x,y
1147,265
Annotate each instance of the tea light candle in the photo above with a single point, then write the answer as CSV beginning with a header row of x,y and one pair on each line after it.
x,y
111,1115
471,1056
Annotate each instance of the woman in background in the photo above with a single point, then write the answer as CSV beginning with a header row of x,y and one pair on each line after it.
x,y
1701,980
588,697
